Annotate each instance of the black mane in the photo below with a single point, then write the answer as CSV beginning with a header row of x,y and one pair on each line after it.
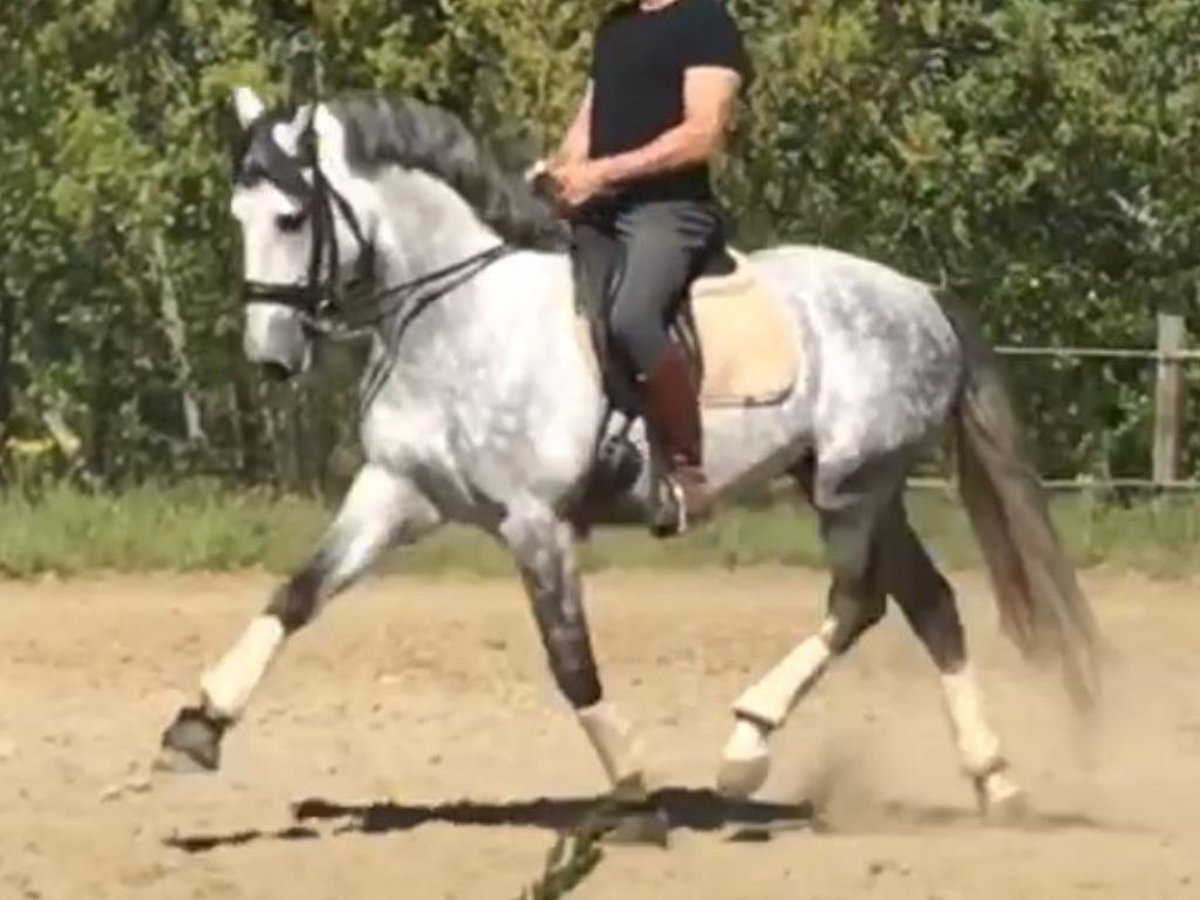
x,y
403,131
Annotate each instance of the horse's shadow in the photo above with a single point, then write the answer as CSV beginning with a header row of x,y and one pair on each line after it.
x,y
932,817
681,808
688,809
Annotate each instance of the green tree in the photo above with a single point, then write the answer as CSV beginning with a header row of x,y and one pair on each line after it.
x,y
1036,158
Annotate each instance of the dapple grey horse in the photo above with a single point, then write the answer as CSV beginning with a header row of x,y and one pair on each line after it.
x,y
480,405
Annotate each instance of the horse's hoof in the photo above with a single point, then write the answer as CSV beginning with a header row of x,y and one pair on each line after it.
x,y
174,762
745,762
628,816
649,827
1001,801
192,743
739,778
1009,812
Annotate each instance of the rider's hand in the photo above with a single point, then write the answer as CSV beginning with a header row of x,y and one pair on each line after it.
x,y
579,182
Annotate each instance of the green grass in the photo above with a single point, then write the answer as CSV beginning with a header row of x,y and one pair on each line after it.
x,y
202,527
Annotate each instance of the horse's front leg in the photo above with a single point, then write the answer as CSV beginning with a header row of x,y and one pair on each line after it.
x,y
380,510
544,551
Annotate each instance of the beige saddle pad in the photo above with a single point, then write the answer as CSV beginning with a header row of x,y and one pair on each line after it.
x,y
748,343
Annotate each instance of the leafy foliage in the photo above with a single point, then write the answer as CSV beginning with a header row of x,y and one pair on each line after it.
x,y
1035,157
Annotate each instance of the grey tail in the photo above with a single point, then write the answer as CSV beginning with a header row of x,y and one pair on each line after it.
x,y
1042,608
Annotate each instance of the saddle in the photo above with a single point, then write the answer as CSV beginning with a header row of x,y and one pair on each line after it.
x,y
743,347
734,328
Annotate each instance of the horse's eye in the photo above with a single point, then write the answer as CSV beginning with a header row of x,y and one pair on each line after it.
x,y
289,222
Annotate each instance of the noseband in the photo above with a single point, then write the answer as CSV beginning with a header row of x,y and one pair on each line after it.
x,y
333,306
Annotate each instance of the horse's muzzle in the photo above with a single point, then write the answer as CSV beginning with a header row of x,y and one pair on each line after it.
x,y
277,371
276,340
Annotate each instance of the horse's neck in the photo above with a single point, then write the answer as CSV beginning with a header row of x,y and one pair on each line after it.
x,y
489,318
424,227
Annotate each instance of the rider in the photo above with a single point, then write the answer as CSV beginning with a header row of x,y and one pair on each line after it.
x,y
634,171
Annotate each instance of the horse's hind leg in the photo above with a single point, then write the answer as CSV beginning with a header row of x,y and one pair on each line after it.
x,y
381,509
543,548
852,509
928,603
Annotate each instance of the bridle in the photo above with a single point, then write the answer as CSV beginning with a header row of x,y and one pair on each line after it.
x,y
336,307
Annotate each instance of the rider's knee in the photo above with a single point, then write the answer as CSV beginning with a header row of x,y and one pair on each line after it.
x,y
638,332
625,319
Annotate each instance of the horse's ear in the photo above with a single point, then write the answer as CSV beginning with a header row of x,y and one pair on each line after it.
x,y
288,135
303,118
248,104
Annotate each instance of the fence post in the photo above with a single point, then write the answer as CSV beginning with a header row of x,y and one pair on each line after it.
x,y
8,302
1168,399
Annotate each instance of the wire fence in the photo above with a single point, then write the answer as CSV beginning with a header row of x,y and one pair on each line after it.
x,y
1171,357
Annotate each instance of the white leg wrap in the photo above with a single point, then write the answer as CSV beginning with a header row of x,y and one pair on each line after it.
x,y
611,734
978,746
226,688
745,761
773,696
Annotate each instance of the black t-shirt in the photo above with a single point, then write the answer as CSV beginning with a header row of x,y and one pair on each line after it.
x,y
638,65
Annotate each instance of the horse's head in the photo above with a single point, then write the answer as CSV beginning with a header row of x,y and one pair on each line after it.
x,y
365,187
299,234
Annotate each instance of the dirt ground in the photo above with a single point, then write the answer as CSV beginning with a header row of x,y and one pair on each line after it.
x,y
412,695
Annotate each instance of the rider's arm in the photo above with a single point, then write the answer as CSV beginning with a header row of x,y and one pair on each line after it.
x,y
577,141
708,97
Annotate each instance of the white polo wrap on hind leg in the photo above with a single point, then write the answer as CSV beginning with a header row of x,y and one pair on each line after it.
x,y
978,746
226,688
